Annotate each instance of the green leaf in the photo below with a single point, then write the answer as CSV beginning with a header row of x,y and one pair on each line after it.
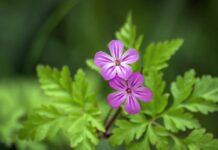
x,y
204,96
182,88
199,139
81,134
128,130
44,122
80,88
128,35
77,115
154,80
206,88
90,64
127,32
177,120
55,82
157,54
157,135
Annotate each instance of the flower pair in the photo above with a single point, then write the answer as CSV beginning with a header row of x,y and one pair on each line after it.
x,y
117,70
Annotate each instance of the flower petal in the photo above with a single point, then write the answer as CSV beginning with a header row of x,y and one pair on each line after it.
x,y
132,105
115,99
124,71
143,93
108,71
118,83
135,80
102,58
116,48
130,56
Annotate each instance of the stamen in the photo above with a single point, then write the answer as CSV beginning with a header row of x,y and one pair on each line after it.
x,y
128,90
117,62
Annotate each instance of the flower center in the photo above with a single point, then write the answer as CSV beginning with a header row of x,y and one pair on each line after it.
x,y
117,62
128,90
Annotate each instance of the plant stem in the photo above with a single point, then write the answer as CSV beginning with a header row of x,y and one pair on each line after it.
x,y
110,123
108,115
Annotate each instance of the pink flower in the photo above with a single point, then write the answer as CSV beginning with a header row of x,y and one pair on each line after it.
x,y
117,63
129,91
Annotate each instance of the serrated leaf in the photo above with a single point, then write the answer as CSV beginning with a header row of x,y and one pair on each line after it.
x,y
199,139
203,99
157,54
128,130
154,80
81,133
45,122
182,88
206,88
127,32
177,120
90,64
55,82
158,136
80,88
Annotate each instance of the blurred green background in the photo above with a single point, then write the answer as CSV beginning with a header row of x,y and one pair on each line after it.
x,y
67,32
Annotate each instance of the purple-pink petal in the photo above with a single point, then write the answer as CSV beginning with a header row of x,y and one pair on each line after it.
x,y
143,93
132,105
116,48
108,71
115,99
102,58
135,80
124,71
130,56
118,83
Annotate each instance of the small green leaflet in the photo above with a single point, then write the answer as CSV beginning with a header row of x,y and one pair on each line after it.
x,y
127,131
182,88
54,82
199,139
195,95
206,88
154,80
176,120
76,115
128,35
157,55
44,122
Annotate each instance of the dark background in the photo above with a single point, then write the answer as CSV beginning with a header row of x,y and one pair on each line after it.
x,y
65,32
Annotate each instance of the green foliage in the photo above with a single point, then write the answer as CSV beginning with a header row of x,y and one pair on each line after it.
x,y
177,119
54,82
127,131
17,98
165,116
160,99
128,35
74,111
157,55
199,139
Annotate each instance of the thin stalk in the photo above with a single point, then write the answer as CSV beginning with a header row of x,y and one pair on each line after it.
x,y
110,123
